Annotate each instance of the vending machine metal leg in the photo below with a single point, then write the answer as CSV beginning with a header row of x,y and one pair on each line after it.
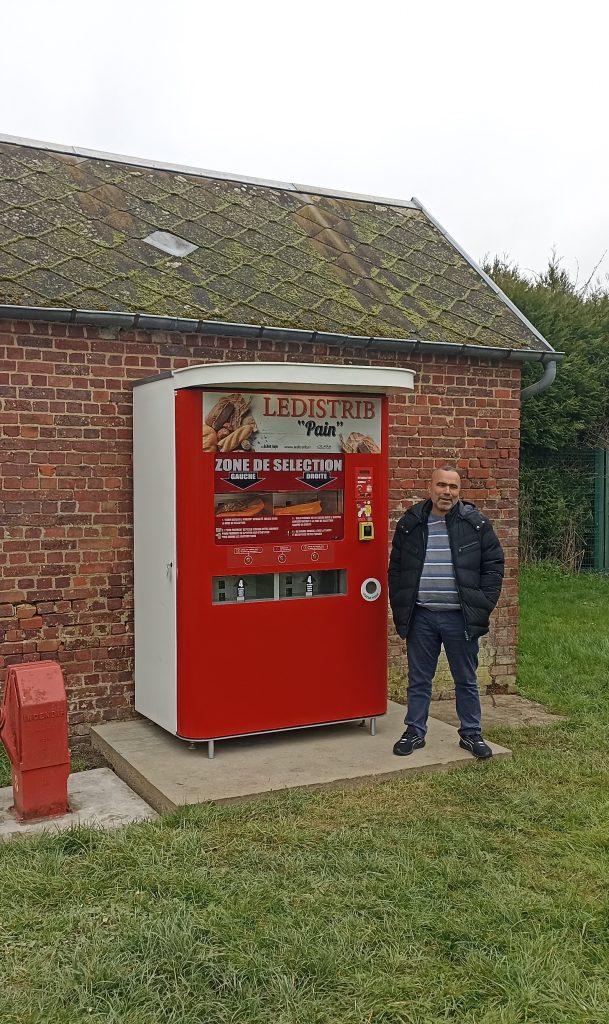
x,y
210,749
373,726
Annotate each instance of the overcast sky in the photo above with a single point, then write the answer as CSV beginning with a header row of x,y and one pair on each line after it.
x,y
493,114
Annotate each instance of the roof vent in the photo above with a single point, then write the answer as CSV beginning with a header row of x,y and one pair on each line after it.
x,y
172,244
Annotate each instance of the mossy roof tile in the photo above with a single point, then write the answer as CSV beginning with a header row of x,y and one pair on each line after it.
x,y
275,268
206,198
142,252
206,262
259,243
161,281
341,313
73,228
449,288
107,170
17,193
80,175
51,212
302,298
113,262
48,284
131,292
255,277
234,290
402,322
434,297
17,294
461,275
187,273
67,241
388,250
302,258
179,206
150,213
45,186
235,250
485,299
141,186
474,313
16,224
218,225
84,274
35,252
90,298
11,169
11,266
275,306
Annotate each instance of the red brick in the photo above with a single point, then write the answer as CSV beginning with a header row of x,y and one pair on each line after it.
x,y
34,623
47,646
26,611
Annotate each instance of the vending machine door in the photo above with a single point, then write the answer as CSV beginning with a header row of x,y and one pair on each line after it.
x,y
282,548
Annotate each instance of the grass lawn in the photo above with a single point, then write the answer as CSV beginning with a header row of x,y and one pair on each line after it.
x,y
479,896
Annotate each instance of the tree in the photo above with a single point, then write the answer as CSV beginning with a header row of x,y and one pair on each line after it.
x,y
575,410
556,482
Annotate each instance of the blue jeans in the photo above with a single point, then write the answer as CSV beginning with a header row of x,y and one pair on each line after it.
x,y
428,631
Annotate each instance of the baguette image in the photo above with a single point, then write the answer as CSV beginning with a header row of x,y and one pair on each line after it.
x,y
309,508
241,507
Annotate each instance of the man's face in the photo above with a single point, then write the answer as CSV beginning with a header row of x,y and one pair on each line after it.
x,y
444,491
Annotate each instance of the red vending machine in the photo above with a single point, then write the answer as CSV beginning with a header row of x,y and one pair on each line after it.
x,y
261,546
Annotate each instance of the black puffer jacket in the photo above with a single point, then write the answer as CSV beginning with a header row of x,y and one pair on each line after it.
x,y
477,559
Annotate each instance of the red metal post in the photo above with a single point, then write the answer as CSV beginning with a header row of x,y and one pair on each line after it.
x,y
34,731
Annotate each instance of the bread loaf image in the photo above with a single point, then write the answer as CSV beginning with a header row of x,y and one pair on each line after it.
x,y
357,442
309,508
242,507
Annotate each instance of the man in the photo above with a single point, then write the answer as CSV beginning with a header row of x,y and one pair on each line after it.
x,y
445,576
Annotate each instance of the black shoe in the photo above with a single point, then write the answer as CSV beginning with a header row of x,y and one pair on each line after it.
x,y
476,746
409,741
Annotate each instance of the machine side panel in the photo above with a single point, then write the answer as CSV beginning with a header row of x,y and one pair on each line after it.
x,y
155,552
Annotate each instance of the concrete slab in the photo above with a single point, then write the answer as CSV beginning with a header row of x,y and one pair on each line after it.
x,y
98,798
167,774
509,709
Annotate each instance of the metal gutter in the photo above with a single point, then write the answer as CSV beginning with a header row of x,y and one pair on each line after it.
x,y
218,328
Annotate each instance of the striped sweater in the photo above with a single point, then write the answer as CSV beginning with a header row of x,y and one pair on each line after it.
x,y
437,587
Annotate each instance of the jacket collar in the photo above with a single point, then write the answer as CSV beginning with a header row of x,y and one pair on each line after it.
x,y
462,510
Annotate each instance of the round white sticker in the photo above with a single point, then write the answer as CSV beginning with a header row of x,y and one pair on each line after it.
x,y
371,589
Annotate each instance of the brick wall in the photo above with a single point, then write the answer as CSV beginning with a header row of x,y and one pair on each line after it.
x,y
66,554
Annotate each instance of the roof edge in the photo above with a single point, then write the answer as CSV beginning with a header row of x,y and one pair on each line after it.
x,y
489,281
150,322
157,165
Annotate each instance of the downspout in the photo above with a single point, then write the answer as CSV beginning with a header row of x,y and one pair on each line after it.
x,y
544,382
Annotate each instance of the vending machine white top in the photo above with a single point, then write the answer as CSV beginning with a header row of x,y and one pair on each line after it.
x,y
294,376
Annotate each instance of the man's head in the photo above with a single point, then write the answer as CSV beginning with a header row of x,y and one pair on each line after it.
x,y
444,489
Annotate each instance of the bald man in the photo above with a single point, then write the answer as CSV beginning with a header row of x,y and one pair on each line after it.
x,y
445,576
